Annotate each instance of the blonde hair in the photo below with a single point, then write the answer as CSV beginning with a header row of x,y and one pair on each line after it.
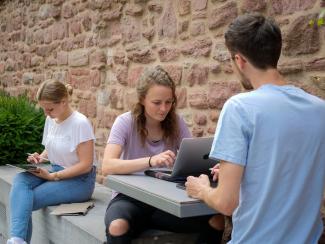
x,y
54,91
170,125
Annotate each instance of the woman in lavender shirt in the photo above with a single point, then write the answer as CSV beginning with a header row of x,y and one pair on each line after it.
x,y
148,136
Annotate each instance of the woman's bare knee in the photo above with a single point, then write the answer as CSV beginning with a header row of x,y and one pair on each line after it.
x,y
118,227
217,222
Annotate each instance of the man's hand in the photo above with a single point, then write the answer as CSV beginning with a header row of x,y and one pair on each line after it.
x,y
215,172
195,186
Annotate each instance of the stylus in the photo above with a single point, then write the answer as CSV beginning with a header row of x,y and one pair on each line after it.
x,y
30,154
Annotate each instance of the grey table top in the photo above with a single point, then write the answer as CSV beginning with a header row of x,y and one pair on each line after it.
x,y
161,194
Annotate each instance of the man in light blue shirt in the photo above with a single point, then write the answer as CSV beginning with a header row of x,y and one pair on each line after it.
x,y
271,143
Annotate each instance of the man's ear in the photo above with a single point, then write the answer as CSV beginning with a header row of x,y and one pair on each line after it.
x,y
240,61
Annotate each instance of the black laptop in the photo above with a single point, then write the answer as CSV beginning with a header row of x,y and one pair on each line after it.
x,y
191,159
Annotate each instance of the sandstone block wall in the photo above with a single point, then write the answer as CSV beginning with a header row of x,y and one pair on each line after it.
x,y
101,47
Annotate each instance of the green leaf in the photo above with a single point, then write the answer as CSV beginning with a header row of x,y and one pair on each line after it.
x,y
21,128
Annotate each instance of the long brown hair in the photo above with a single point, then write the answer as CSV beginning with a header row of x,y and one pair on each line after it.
x,y
170,125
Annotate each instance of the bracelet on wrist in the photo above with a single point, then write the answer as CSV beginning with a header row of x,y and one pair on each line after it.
x,y
56,176
150,166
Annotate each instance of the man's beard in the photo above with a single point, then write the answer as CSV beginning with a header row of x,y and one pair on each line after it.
x,y
244,81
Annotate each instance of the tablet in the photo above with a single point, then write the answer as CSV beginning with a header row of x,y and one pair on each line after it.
x,y
25,167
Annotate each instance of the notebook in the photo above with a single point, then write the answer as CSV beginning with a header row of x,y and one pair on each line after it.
x,y
71,209
192,159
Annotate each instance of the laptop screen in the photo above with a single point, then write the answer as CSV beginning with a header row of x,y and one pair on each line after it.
x,y
193,157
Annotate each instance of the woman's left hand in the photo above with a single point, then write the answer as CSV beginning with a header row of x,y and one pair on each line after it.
x,y
43,173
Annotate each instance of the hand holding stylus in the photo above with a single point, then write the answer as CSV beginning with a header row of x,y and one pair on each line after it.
x,y
35,158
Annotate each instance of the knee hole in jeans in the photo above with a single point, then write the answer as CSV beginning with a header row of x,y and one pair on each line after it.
x,y
217,222
118,227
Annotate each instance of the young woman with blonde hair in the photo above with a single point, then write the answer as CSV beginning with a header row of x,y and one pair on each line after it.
x,y
68,139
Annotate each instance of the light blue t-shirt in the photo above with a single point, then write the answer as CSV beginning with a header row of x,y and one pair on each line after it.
x,y
277,133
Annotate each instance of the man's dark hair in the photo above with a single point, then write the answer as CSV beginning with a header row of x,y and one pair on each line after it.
x,y
257,38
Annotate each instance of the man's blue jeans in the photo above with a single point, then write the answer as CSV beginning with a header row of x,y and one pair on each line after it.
x,y
30,193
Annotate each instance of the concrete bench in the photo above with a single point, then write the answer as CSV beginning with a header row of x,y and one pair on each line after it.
x,y
89,229
48,229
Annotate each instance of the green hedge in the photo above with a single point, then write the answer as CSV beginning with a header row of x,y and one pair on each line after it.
x,y
21,128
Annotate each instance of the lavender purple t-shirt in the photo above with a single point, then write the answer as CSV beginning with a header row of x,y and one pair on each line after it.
x,y
124,133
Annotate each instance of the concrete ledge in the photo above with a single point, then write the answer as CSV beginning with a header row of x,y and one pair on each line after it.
x,y
49,229
89,229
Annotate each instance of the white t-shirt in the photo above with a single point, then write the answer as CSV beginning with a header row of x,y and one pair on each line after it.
x,y
61,139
